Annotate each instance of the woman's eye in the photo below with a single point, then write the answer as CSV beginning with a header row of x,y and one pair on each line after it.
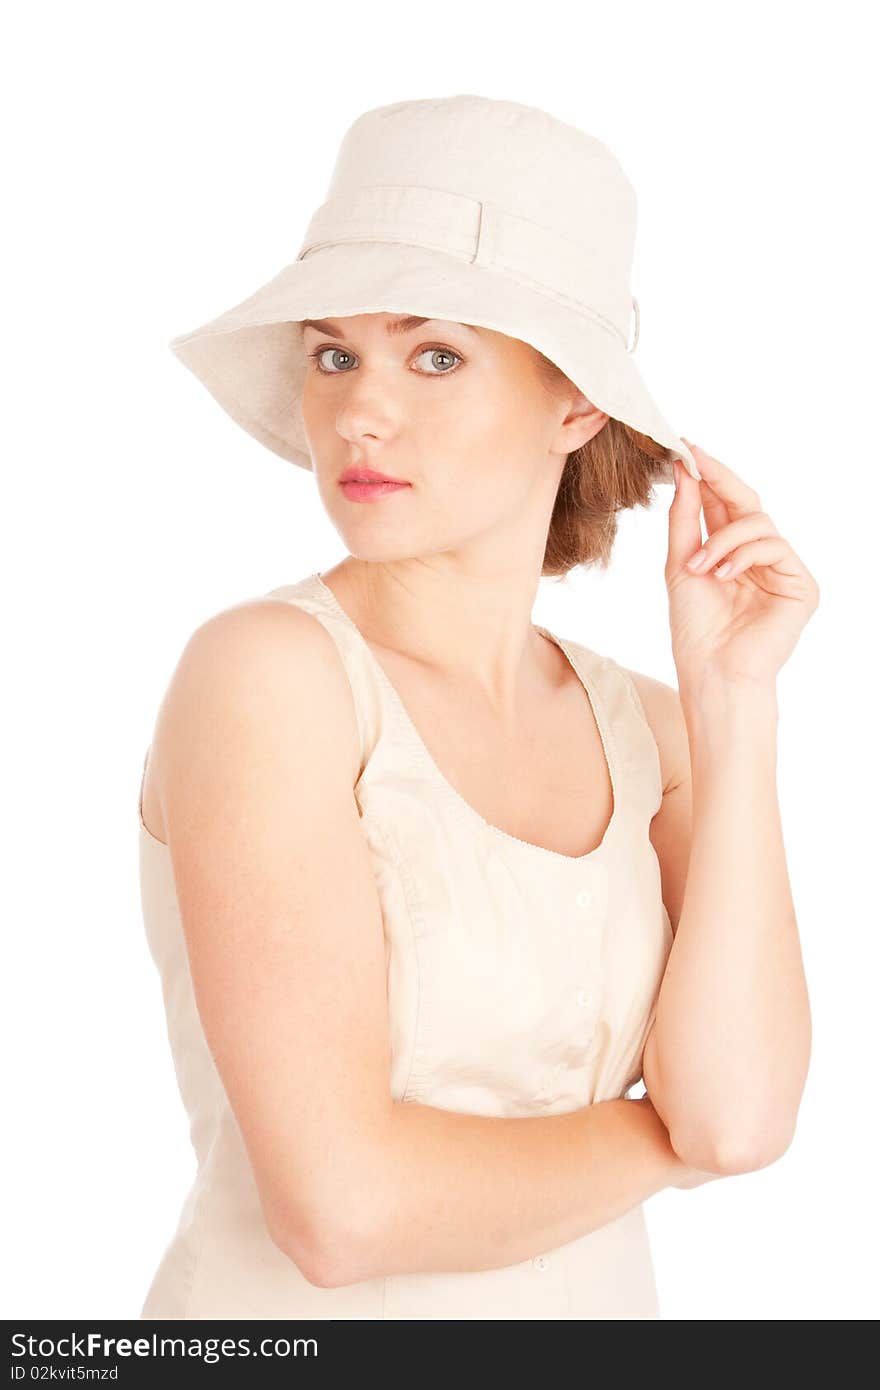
x,y
439,352
437,355
319,353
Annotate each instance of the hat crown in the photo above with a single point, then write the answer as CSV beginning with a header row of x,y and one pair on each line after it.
x,y
519,157
535,196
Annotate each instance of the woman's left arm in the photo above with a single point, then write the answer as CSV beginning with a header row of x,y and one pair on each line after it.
x,y
726,1059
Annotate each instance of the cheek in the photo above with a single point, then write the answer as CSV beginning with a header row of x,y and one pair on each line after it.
x,y
316,418
474,426
479,463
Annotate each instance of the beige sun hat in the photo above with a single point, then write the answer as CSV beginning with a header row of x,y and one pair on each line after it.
x,y
463,208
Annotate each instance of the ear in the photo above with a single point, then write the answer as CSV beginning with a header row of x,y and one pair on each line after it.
x,y
581,423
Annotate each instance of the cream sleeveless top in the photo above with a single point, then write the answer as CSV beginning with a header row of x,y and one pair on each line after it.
x,y
521,981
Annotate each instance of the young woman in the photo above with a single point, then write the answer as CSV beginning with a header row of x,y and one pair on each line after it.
x,y
429,887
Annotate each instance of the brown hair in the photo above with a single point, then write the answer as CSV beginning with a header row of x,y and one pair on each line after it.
x,y
615,469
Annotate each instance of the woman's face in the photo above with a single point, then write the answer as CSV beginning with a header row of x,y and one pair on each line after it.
x,y
460,413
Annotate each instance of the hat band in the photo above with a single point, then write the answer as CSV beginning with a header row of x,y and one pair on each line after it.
x,y
478,231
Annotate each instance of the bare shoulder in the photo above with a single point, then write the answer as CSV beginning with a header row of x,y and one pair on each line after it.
x,y
263,666
662,706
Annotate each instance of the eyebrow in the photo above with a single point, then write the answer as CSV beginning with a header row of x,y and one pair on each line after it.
x,y
394,327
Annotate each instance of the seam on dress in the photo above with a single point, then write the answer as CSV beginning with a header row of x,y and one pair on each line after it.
x,y
416,1069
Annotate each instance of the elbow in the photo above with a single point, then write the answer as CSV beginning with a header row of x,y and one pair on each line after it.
x,y
730,1155
330,1250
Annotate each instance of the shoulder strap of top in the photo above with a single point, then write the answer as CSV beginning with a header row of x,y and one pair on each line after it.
x,y
636,747
314,597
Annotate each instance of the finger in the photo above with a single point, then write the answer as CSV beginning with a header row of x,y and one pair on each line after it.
x,y
685,535
770,551
728,486
714,509
735,533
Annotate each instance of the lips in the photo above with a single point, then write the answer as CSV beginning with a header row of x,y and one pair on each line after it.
x,y
370,491
368,475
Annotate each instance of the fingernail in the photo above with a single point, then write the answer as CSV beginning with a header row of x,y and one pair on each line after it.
x,y
696,560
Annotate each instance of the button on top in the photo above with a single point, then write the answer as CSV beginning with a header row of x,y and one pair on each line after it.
x,y
540,1262
584,897
584,998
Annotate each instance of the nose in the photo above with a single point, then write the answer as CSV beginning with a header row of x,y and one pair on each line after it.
x,y
367,410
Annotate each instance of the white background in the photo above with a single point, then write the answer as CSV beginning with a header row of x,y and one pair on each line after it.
x,y
161,161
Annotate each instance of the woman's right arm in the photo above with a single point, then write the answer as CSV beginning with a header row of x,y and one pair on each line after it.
x,y
255,756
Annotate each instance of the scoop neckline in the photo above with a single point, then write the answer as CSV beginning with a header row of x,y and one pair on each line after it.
x,y
455,799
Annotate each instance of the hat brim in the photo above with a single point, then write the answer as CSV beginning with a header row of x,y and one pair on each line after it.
x,y
252,361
